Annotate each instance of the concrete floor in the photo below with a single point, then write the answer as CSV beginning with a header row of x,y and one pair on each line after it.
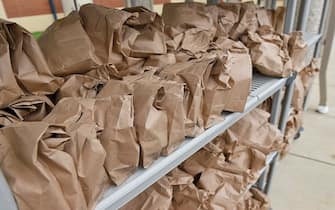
x,y
305,178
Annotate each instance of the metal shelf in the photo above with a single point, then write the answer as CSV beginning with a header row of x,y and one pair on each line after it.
x,y
262,88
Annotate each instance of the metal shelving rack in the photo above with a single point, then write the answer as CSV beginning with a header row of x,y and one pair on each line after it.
x,y
262,88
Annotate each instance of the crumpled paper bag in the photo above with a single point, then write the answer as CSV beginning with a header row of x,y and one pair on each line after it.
x,y
298,50
272,17
67,48
157,196
28,64
89,156
124,37
247,19
143,34
269,52
254,199
150,115
41,165
84,147
185,194
191,26
9,89
115,114
7,118
227,16
173,104
104,26
31,108
246,161
78,85
298,94
151,120
208,157
255,131
212,180
114,120
308,74
236,77
195,74
293,125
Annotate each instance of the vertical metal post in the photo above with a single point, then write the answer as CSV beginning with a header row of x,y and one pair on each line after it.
x,y
305,7
282,124
291,7
270,4
212,1
287,103
270,174
322,28
145,3
325,57
263,180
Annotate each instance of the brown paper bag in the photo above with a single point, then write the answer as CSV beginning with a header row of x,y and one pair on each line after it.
x,y
9,89
269,52
65,53
115,114
245,160
185,194
106,28
86,150
31,108
203,159
150,116
308,74
272,17
195,74
6,119
71,111
247,20
236,75
151,119
293,125
298,94
255,131
173,104
79,86
184,16
157,196
193,25
143,34
28,63
254,199
189,197
89,156
40,164
212,179
298,50
228,16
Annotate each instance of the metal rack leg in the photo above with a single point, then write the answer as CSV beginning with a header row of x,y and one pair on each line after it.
x,y
287,103
322,28
325,60
270,174
305,7
291,6
282,124
263,179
